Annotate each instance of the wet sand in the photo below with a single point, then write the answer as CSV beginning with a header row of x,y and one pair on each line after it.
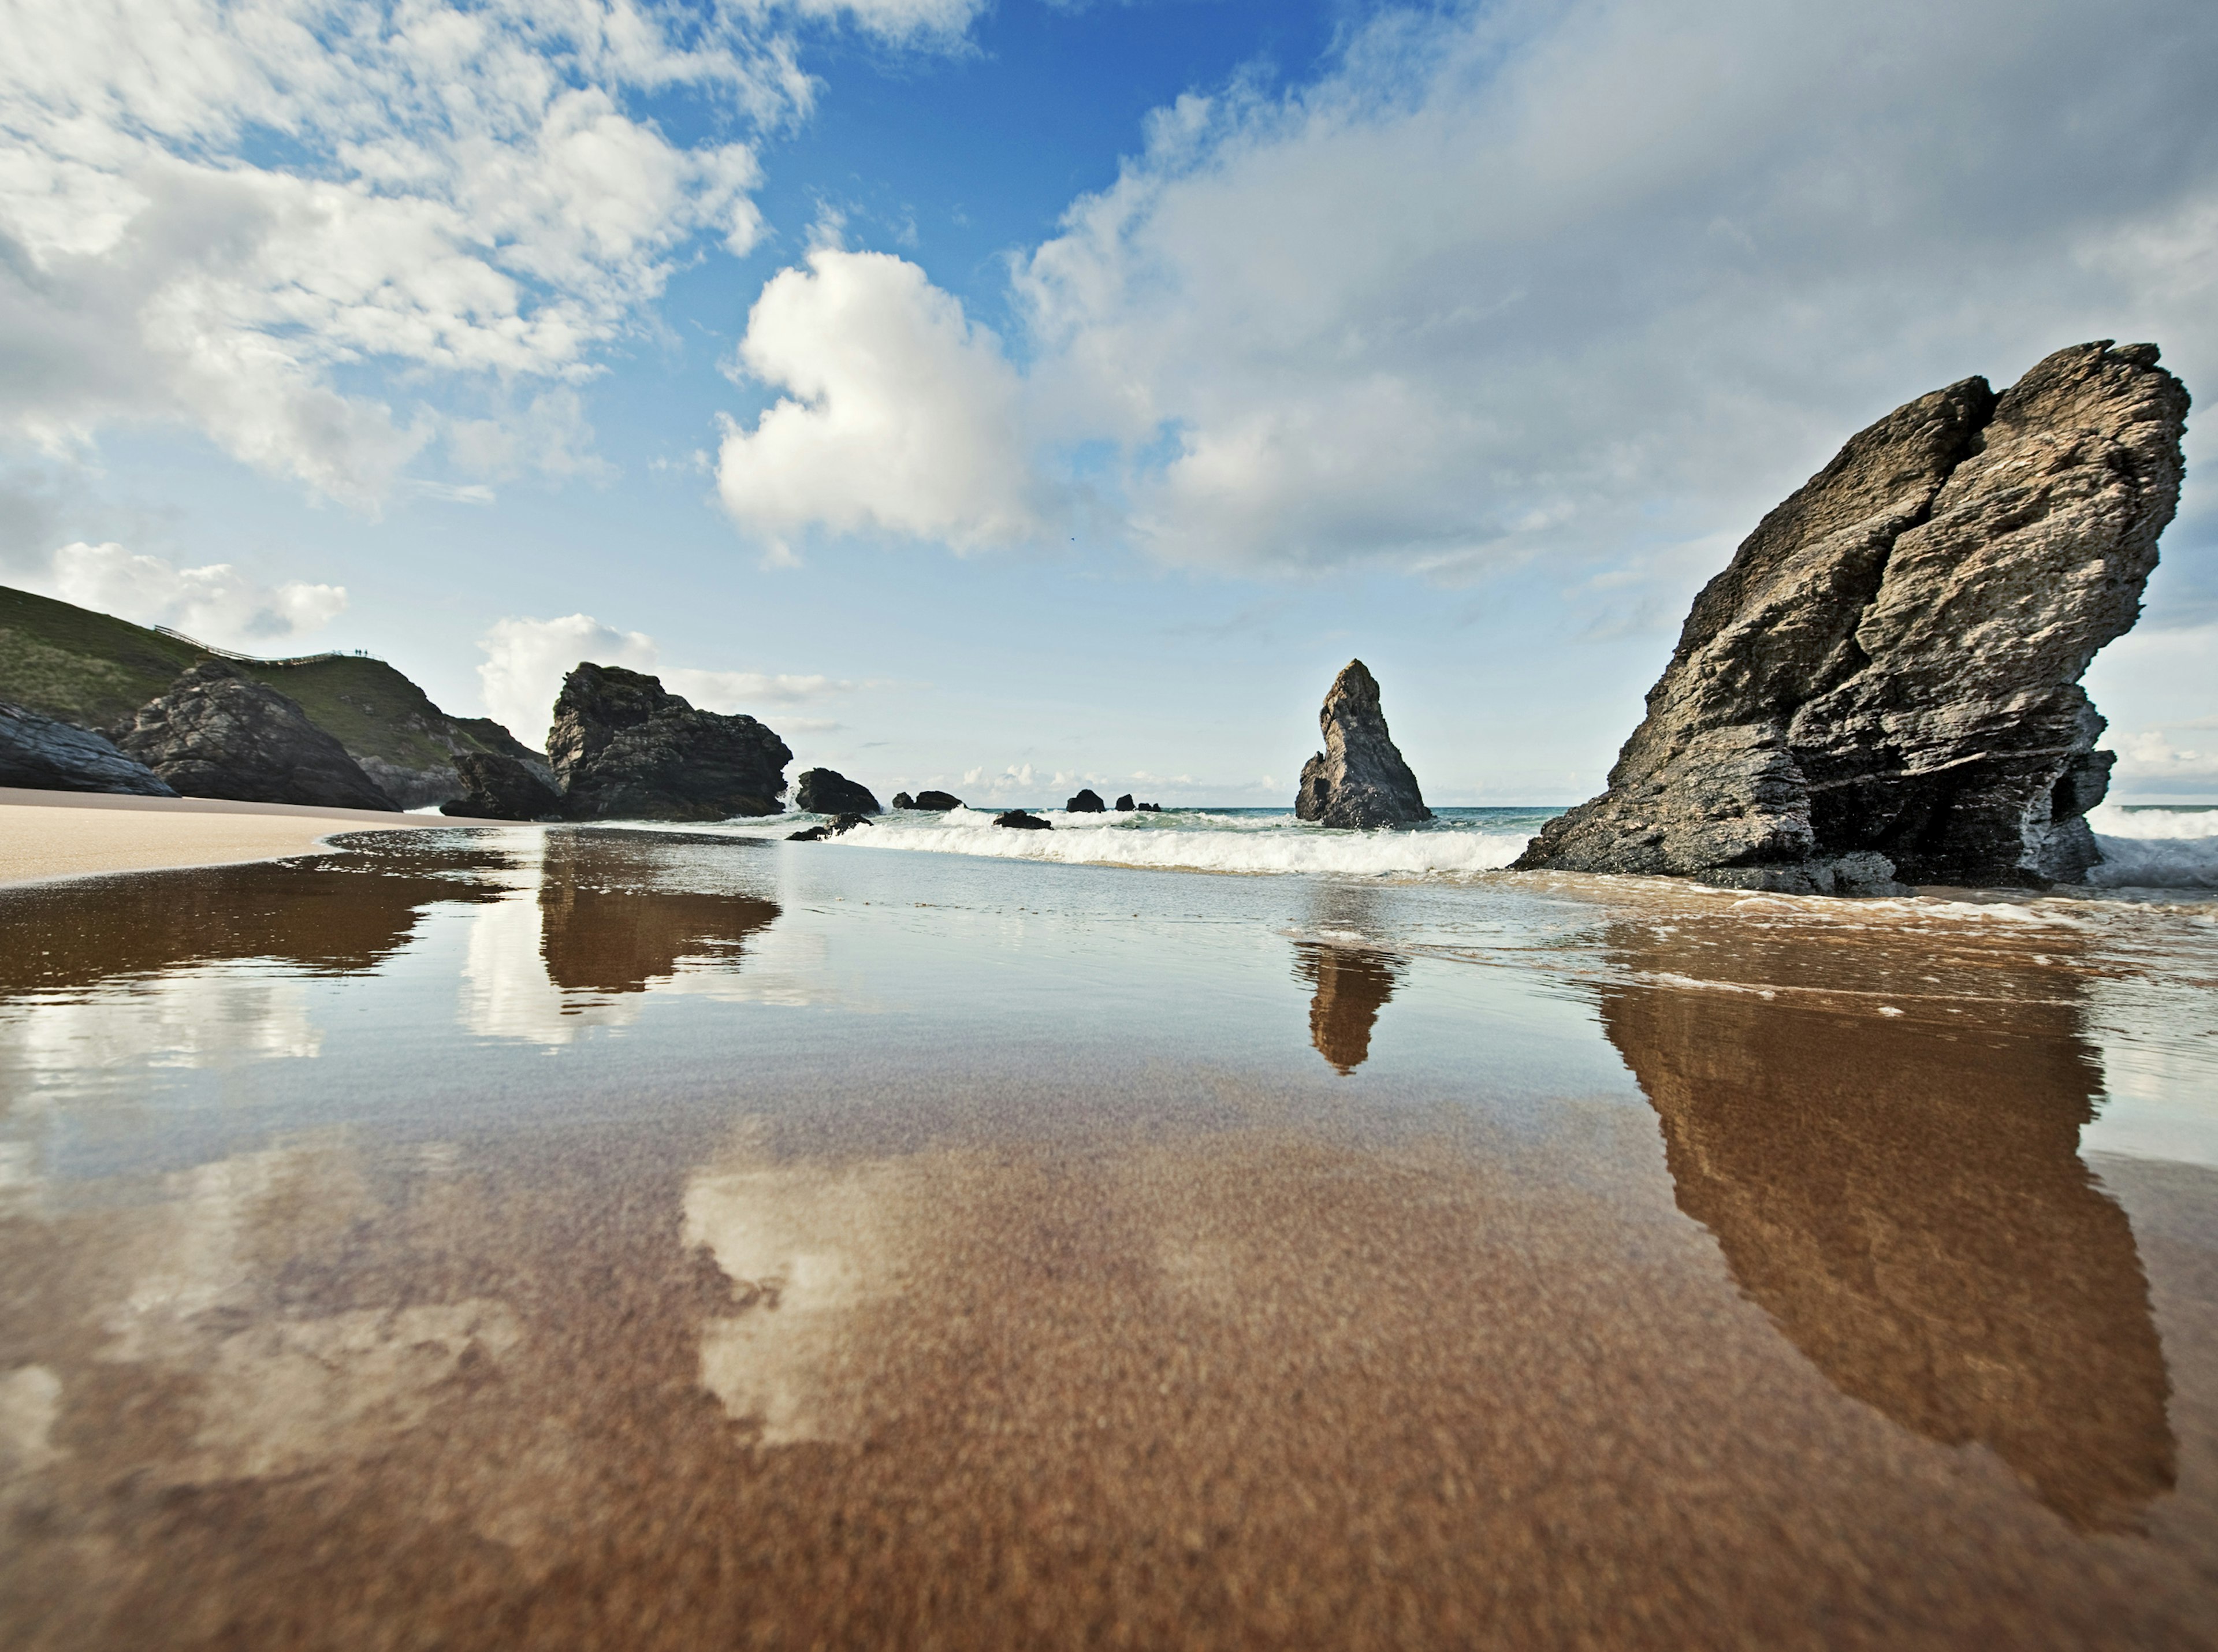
x,y
47,835
510,1238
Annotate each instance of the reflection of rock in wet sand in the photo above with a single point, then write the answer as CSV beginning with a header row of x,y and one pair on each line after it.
x,y
605,926
1352,985
331,914
1907,1203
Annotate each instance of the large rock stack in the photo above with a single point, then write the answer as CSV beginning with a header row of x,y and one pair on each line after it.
x,y
623,748
218,733
1885,681
1360,778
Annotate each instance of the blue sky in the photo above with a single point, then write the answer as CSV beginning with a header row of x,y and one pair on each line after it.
x,y
1000,396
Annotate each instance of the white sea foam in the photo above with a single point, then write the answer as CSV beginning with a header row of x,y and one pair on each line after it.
x,y
2155,848
1197,840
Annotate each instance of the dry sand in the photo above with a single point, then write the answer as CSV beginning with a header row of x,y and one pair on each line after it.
x,y
45,835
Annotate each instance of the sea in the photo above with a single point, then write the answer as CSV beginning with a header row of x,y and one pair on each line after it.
x,y
2166,847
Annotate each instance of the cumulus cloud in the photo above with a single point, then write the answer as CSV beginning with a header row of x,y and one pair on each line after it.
x,y
1543,278
2160,759
219,213
527,660
902,416
217,603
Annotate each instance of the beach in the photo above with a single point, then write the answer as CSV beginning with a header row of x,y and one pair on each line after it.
x,y
622,1237
47,834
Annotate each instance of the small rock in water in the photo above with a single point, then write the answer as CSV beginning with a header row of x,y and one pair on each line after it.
x,y
827,791
1150,808
1023,822
903,800
47,754
848,822
942,800
1124,804
813,834
1088,802
496,786
1360,778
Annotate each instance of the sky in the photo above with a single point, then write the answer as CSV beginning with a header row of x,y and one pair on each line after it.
x,y
1008,395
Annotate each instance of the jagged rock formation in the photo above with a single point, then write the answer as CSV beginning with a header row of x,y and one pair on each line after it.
x,y
217,733
497,788
942,800
903,800
1088,802
1888,670
1023,822
47,754
1360,778
624,749
827,791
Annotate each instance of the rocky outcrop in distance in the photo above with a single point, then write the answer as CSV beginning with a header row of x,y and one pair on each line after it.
x,y
1088,802
1022,821
1885,681
47,754
496,787
941,800
827,791
1360,778
623,748
217,733
903,800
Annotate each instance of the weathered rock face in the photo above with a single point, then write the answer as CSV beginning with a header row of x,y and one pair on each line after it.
x,y
622,748
497,788
937,801
47,754
216,733
1360,778
1889,668
827,791
1088,802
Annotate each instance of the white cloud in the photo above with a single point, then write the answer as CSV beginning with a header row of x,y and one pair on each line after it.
x,y
895,20
2152,756
527,660
216,603
1580,278
903,417
460,191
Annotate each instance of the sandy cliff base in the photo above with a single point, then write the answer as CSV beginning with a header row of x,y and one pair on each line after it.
x,y
73,834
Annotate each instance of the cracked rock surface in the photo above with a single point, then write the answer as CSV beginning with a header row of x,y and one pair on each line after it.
x,y
623,748
218,733
1885,681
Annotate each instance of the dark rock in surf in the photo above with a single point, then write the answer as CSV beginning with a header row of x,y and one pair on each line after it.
x,y
1885,681
46,754
826,791
903,800
496,787
623,748
1088,802
848,822
813,834
218,733
1023,822
1124,804
942,800
1360,778
1150,808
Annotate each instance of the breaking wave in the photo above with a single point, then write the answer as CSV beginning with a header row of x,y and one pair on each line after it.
x,y
1208,840
2155,848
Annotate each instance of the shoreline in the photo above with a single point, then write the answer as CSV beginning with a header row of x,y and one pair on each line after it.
x,y
50,837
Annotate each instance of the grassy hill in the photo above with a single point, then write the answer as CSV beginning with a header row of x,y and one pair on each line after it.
x,y
95,671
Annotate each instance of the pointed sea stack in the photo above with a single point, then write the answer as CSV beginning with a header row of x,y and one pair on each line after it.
x,y
1885,681
1360,778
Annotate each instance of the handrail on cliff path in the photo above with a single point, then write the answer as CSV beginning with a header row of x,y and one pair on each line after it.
x,y
257,659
